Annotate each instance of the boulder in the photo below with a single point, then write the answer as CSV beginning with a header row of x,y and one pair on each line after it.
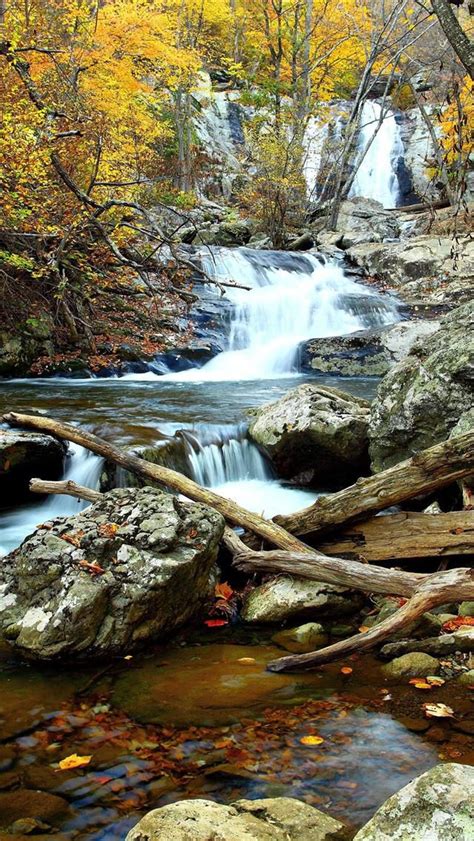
x,y
24,455
303,638
362,220
436,806
227,233
423,265
415,664
314,435
133,567
424,396
272,819
366,353
286,598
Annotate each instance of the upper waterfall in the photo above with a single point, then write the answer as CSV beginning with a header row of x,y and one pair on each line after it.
x,y
290,297
380,140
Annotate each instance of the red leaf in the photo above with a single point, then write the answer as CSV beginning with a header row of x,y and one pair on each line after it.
x,y
215,623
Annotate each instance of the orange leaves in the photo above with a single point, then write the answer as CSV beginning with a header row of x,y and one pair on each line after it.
x,y
224,591
246,661
108,529
74,761
458,622
346,670
312,741
438,711
93,568
429,682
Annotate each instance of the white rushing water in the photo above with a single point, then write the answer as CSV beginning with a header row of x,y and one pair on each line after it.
x,y
376,177
315,136
291,297
82,467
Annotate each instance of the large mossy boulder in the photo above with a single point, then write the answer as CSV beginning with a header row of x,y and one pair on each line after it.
x,y
422,399
132,568
314,435
23,456
271,819
437,806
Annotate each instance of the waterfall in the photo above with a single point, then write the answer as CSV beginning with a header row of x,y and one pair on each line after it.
x,y
290,297
82,467
315,136
376,177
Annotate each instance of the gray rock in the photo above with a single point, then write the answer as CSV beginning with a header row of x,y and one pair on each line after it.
x,y
156,558
423,397
366,353
415,664
314,435
227,233
303,638
460,640
437,806
286,598
272,819
361,220
24,455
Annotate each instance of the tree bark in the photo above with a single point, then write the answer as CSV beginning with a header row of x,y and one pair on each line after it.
x,y
459,40
424,473
230,510
66,488
404,536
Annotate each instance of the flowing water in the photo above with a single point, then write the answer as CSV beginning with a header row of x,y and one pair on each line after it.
x,y
379,134
194,720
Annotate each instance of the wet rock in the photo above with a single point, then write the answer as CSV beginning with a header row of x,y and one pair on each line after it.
x,y
466,609
303,638
422,399
460,640
314,435
415,664
366,353
285,599
272,819
362,220
437,806
23,804
24,455
132,568
466,678
20,348
227,233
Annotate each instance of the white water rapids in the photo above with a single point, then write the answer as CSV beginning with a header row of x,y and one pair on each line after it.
x,y
379,134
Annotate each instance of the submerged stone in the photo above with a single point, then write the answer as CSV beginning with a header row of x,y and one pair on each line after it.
x,y
415,664
303,638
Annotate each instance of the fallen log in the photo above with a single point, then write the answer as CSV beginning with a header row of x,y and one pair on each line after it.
x,y
232,512
407,535
424,592
425,472
421,206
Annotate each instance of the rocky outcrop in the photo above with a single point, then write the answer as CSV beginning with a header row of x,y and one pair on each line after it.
x,y
24,455
360,220
429,267
366,353
132,568
422,399
314,435
437,806
288,599
271,819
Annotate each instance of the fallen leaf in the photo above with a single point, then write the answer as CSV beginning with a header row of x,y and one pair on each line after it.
x,y
434,680
311,740
346,670
438,711
363,629
224,591
215,623
93,568
246,660
420,683
108,529
458,622
74,761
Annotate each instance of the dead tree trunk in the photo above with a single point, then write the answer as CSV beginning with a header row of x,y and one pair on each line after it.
x,y
232,512
424,473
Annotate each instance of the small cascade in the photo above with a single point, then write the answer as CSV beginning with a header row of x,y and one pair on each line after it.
x,y
376,177
290,297
82,467
230,459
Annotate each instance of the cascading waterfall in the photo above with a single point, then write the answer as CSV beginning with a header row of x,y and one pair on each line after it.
x,y
376,177
315,136
84,468
290,297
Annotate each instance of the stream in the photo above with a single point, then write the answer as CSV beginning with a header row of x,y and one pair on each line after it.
x,y
190,719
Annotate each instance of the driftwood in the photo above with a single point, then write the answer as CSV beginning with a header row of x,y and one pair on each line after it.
x,y
232,512
424,473
423,591
421,206
406,535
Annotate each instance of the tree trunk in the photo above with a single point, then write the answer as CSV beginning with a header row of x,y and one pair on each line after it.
x,y
459,40
405,536
230,510
424,473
